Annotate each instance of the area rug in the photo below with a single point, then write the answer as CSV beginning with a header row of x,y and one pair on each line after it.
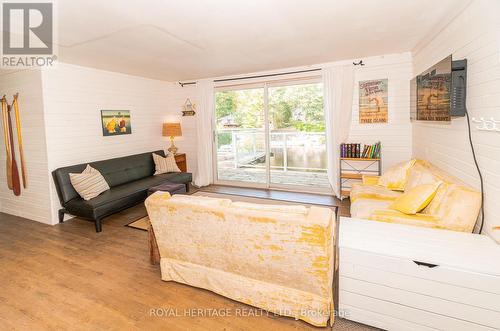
x,y
143,222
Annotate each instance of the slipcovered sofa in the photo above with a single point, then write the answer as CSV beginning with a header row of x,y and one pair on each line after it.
x,y
454,207
278,258
129,179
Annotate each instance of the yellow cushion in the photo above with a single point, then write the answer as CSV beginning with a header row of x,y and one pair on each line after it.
x,y
397,217
372,192
420,175
395,178
370,180
416,199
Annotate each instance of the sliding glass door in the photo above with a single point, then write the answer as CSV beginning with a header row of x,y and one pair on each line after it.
x,y
297,135
240,136
271,135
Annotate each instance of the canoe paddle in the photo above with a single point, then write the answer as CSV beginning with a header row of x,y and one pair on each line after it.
x,y
8,159
16,184
20,140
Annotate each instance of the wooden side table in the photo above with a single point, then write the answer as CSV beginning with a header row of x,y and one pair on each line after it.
x,y
154,252
181,160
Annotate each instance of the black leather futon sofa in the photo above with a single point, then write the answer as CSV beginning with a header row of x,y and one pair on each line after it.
x,y
128,177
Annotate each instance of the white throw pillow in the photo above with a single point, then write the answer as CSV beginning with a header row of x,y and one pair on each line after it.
x,y
165,164
89,184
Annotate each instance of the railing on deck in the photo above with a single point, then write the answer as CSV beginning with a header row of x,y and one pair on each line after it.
x,y
254,147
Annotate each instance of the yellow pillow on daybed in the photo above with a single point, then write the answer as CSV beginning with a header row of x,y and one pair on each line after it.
x,y
395,178
416,199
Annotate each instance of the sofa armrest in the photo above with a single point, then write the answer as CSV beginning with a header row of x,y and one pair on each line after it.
x,y
370,180
394,216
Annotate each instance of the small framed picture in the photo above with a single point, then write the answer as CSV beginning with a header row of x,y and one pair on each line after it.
x,y
115,122
189,109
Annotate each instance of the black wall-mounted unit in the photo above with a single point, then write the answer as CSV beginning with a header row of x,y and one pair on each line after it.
x,y
458,88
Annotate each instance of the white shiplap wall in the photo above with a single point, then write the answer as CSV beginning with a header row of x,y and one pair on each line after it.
x,y
73,98
395,135
475,35
33,202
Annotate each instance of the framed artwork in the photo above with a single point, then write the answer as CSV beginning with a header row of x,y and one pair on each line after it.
x,y
433,92
115,122
373,101
189,109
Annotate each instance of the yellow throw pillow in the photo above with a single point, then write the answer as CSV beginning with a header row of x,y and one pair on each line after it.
x,y
396,177
416,199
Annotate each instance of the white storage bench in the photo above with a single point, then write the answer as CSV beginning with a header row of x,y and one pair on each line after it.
x,y
400,277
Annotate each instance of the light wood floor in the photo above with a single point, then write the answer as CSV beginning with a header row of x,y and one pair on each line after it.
x,y
69,277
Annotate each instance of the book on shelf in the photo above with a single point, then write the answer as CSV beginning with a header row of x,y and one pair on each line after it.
x,y
357,150
365,151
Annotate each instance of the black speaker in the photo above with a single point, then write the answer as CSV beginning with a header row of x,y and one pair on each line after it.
x,y
458,88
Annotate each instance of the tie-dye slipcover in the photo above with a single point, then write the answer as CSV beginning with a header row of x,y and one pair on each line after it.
x,y
278,258
454,207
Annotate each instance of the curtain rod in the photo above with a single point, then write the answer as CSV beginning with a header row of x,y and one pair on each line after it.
x,y
258,76
360,63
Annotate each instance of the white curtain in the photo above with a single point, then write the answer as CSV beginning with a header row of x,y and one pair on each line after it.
x,y
204,116
338,86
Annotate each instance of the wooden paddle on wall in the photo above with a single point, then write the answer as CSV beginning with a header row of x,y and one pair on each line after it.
x,y
16,183
20,140
6,135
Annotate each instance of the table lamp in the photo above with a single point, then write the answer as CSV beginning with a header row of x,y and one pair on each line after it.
x,y
172,130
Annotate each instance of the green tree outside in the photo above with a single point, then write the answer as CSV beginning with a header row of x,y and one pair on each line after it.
x,y
291,108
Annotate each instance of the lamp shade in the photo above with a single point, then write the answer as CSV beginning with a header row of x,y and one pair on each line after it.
x,y
172,130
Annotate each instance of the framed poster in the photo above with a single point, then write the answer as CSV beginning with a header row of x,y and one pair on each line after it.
x,y
373,105
115,122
